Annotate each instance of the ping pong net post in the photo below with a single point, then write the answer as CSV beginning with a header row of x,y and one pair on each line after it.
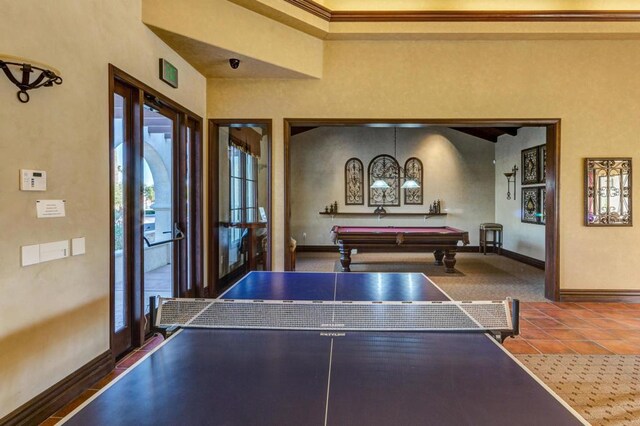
x,y
499,318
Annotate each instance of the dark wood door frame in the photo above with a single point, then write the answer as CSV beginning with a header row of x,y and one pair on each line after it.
x,y
214,185
140,94
552,228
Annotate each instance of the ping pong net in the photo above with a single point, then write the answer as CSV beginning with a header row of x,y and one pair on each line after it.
x,y
499,318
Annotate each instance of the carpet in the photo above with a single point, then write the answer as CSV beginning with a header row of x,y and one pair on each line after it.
x,y
604,389
477,277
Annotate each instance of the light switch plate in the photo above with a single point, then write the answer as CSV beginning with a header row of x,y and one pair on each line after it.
x,y
53,251
30,255
77,246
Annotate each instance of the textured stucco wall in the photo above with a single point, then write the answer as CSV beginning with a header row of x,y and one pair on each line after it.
x,y
458,170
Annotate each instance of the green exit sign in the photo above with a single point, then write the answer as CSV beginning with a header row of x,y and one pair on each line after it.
x,y
168,73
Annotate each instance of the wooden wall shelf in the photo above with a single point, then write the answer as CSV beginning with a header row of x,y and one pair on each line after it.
x,y
425,215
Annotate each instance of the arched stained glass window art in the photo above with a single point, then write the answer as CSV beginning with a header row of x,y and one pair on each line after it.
x,y
413,170
384,167
353,182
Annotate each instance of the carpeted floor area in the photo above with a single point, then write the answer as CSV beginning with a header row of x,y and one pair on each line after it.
x,y
605,389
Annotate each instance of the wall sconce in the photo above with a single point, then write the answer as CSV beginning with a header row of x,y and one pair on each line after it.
x,y
511,177
45,75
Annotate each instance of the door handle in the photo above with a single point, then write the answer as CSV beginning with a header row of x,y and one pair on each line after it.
x,y
177,236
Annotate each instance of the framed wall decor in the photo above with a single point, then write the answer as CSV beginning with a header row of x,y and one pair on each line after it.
x,y
542,207
542,158
530,205
608,192
384,167
413,170
530,166
353,182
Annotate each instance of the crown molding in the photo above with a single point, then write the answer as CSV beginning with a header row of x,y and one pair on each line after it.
x,y
485,16
313,8
465,15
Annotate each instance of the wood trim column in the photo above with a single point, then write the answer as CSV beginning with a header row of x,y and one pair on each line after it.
x,y
552,202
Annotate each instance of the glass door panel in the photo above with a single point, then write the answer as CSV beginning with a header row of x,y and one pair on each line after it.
x,y
121,283
160,228
121,306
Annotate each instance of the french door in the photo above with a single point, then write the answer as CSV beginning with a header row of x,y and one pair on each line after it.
x,y
156,212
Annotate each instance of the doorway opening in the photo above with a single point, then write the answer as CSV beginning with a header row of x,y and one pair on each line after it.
x,y
333,139
239,200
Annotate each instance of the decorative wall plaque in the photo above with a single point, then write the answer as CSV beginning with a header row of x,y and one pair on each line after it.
x,y
353,182
542,157
413,170
530,205
608,192
530,166
542,207
384,167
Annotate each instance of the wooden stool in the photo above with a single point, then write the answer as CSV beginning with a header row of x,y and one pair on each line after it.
x,y
497,237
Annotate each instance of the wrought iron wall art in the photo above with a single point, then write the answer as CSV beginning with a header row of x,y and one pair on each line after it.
x,y
45,75
530,166
353,182
542,207
413,170
542,156
530,205
384,167
608,192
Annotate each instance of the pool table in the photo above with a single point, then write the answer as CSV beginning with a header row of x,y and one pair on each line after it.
x,y
443,240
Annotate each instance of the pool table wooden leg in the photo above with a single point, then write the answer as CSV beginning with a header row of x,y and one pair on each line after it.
x,y
345,258
438,254
449,261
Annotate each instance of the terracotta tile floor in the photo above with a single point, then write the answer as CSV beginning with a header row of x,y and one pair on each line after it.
x,y
577,328
121,367
545,328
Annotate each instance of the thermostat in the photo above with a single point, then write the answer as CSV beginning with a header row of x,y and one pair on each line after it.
x,y
33,180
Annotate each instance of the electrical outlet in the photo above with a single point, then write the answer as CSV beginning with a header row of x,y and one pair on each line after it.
x,y
354,251
304,236
221,260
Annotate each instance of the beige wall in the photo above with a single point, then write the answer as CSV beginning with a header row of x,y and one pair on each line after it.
x,y
55,315
523,238
458,170
264,44
590,85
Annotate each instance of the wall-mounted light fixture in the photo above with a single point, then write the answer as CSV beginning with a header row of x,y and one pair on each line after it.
x,y
511,177
44,75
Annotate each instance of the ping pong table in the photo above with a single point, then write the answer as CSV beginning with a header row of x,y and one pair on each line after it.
x,y
203,376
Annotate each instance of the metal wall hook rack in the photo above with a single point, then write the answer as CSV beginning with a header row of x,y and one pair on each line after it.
x,y
24,68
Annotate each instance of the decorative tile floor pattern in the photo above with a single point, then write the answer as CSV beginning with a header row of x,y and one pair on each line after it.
x,y
605,389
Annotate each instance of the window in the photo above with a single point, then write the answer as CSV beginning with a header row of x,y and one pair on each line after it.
x,y
243,177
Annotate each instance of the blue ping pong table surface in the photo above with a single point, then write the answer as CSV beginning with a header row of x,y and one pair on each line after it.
x,y
275,377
